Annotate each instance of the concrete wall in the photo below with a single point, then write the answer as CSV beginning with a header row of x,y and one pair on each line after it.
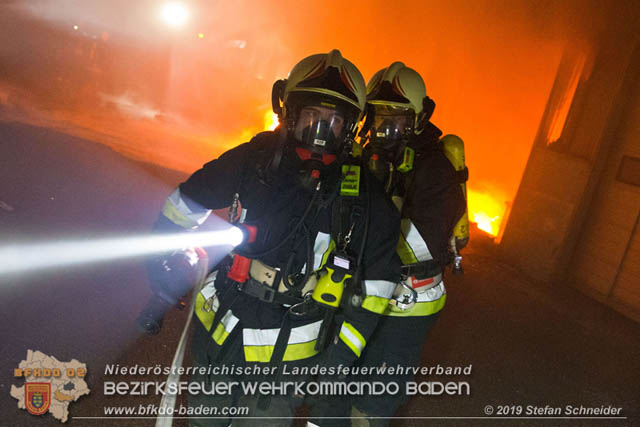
x,y
562,186
606,262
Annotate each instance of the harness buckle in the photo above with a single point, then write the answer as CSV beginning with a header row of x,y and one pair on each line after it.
x,y
405,301
207,307
267,294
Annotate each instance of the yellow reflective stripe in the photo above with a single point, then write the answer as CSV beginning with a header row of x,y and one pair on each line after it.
x,y
206,301
352,338
177,211
375,304
220,334
299,334
258,353
300,351
224,328
325,256
420,309
259,343
304,334
206,317
411,246
405,252
262,353
260,337
379,288
177,217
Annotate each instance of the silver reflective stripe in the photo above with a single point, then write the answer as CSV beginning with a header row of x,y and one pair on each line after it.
x,y
379,288
299,335
432,294
415,240
208,292
320,248
260,336
229,321
197,218
353,341
305,333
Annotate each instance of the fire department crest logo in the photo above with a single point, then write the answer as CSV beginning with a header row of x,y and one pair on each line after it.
x,y
37,397
50,385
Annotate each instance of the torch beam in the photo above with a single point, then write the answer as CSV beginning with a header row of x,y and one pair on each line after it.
x,y
20,258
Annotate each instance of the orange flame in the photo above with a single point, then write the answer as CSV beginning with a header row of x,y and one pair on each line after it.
x,y
485,210
270,120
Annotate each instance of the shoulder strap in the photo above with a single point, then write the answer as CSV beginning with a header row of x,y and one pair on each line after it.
x,y
347,209
269,156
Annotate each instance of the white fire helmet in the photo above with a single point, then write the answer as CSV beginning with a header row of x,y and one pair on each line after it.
x,y
399,99
321,101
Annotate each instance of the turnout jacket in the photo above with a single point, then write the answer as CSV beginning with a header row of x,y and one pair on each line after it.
x,y
434,201
274,202
432,204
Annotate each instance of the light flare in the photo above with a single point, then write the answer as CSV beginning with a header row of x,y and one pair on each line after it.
x,y
40,255
175,14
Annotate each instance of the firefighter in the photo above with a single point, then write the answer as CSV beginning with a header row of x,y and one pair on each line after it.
x,y
306,209
405,154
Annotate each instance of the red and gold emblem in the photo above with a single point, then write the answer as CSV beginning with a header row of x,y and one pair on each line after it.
x,y
37,397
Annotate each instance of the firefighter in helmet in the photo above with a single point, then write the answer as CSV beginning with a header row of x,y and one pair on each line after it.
x,y
405,154
308,211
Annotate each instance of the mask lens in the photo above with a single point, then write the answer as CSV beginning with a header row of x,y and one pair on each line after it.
x,y
319,127
391,125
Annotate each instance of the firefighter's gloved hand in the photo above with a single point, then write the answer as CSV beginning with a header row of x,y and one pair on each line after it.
x,y
172,276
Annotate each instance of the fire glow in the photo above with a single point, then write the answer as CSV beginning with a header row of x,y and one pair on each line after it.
x,y
185,81
270,120
485,210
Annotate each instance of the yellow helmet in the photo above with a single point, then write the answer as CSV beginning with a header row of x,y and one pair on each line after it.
x,y
400,89
326,82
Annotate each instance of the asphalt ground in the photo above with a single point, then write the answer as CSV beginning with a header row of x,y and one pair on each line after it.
x,y
529,345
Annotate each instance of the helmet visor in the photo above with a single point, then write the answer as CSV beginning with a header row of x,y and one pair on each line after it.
x,y
391,124
319,127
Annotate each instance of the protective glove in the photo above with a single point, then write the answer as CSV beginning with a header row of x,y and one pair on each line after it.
x,y
172,276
